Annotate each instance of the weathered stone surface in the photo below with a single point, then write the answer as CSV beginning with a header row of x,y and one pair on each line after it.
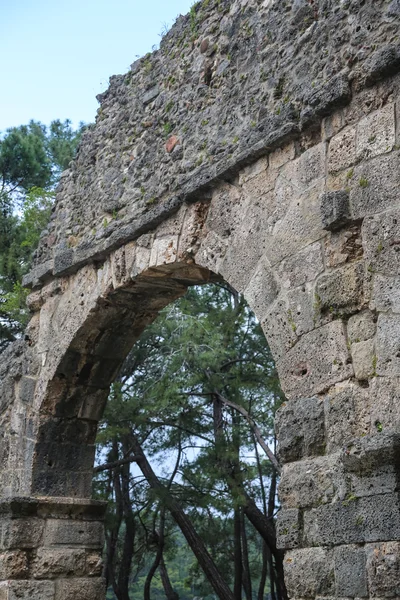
x,y
27,590
341,289
319,360
342,150
376,133
363,355
288,528
86,534
350,572
300,429
302,267
84,589
347,415
53,563
355,520
361,327
383,569
388,345
335,209
374,185
385,414
309,572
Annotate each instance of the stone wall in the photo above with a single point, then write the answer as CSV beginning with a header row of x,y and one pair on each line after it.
x,y
298,211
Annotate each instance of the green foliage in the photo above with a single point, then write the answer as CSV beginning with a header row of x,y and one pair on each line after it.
x,y
205,342
31,159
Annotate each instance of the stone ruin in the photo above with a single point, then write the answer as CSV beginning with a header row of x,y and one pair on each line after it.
x,y
261,145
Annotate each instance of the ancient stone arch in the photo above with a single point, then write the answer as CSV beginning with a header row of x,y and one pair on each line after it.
x,y
259,144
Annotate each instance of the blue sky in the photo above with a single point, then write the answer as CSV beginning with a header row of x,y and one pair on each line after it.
x,y
55,56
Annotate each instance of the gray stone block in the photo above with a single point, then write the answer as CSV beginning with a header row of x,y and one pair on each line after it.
x,y
353,521
384,62
309,572
288,528
27,590
335,209
300,429
383,570
341,289
350,572
318,360
64,532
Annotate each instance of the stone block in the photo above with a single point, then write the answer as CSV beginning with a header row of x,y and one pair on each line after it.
x,y
14,565
363,355
375,185
300,429
53,563
341,289
84,589
288,528
383,570
300,268
361,326
319,360
342,150
64,532
262,289
382,63
247,245
382,243
376,133
309,572
226,210
301,311
353,521
335,209
312,482
347,415
279,328
343,246
350,571
27,590
300,225
385,294
387,359
27,387
385,414
19,534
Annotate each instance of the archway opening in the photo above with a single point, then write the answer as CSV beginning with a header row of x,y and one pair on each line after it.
x,y
222,406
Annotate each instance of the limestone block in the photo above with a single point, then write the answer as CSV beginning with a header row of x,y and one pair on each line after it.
x,y
335,209
312,482
14,565
64,532
55,562
226,209
376,133
381,243
308,572
309,167
363,355
288,529
353,521
347,414
361,326
301,312
279,328
302,267
84,589
211,252
26,389
343,246
385,414
27,590
318,360
342,150
251,171
342,288
300,429
350,571
20,533
262,289
383,569
281,156
388,345
300,226
164,251
386,293
375,185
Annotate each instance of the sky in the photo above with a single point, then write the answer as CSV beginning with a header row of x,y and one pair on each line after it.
x,y
57,55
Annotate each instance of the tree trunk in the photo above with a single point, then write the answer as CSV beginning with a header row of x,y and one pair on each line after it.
x,y
184,523
237,590
168,589
246,563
